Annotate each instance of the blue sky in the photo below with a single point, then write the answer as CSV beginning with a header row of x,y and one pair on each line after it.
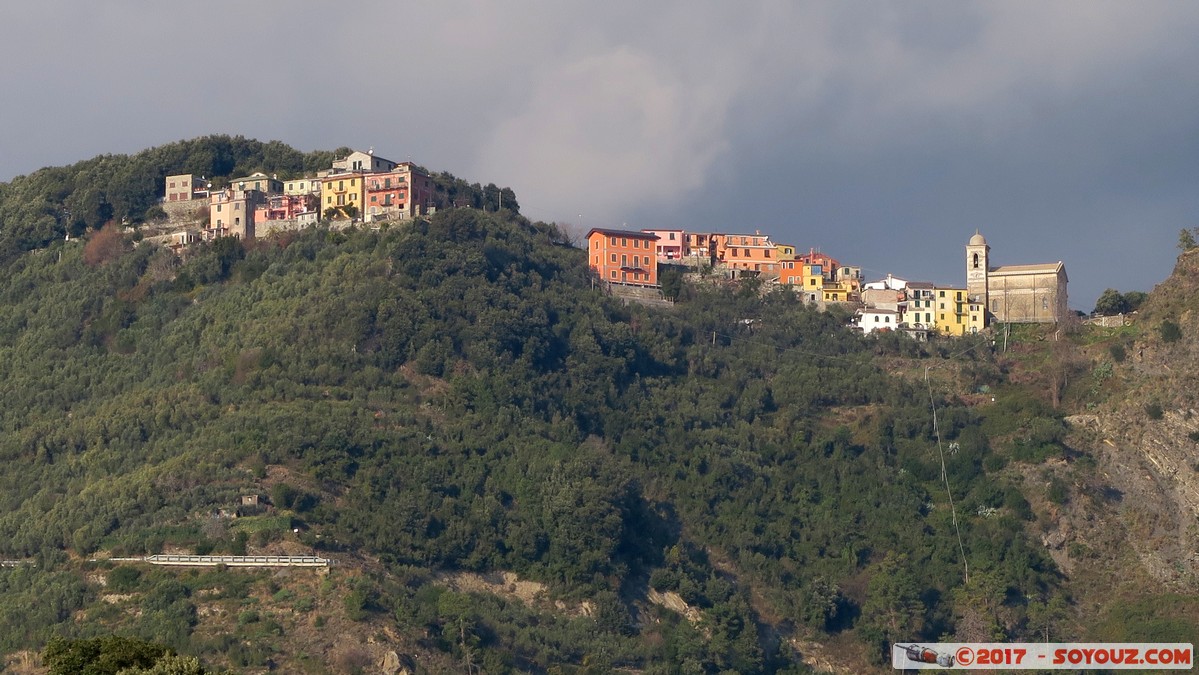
x,y
883,133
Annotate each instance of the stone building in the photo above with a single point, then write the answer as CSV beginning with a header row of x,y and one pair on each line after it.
x,y
1015,293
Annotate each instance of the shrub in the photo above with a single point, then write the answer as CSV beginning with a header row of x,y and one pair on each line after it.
x,y
123,578
1057,492
1117,352
1170,331
1154,411
104,246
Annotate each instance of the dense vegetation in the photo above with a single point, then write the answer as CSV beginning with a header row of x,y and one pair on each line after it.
x,y
453,394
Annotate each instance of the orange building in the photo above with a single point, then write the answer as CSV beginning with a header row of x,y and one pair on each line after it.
x,y
747,252
623,256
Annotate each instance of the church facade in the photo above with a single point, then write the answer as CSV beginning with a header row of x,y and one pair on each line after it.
x,y
1015,293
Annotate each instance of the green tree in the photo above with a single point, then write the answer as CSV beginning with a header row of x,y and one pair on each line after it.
x,y
106,655
893,610
1186,238
1111,302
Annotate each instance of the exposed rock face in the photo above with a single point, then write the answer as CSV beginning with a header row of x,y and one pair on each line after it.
x,y
1146,442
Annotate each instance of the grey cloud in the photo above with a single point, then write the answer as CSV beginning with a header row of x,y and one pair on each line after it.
x,y
882,132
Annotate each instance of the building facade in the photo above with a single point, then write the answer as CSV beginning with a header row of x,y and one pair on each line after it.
x,y
363,162
231,213
747,252
258,181
1015,293
401,193
185,187
340,191
672,244
623,256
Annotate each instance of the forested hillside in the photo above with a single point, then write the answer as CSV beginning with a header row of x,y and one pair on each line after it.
x,y
453,394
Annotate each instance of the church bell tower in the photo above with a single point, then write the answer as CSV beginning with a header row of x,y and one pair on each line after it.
x,y
978,262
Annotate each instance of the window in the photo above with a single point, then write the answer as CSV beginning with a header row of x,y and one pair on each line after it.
x,y
595,244
613,258
672,236
612,241
613,274
812,282
942,295
218,208
994,305
975,261
624,241
624,261
767,252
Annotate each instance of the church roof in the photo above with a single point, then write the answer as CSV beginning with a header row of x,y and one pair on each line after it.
x,y
1043,268
978,239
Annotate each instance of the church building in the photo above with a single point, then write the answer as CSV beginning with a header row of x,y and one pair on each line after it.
x,y
1015,293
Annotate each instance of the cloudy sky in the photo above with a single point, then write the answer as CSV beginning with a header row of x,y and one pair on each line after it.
x,y
883,133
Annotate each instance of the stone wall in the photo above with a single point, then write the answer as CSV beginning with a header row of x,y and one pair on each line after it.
x,y
187,211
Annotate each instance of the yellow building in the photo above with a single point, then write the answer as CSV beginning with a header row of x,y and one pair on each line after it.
x,y
786,251
342,190
837,291
955,314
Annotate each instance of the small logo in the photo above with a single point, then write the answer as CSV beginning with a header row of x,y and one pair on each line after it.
x,y
925,655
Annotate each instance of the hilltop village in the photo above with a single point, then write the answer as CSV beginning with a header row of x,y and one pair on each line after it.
x,y
1003,294
363,187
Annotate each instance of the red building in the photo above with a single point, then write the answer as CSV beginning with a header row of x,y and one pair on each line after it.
x,y
624,256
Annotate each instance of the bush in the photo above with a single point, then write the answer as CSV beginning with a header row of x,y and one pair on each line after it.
x,y
1154,411
1170,331
1117,352
124,578
1057,493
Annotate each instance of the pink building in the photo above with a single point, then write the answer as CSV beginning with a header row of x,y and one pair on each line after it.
x,y
672,244
283,207
401,193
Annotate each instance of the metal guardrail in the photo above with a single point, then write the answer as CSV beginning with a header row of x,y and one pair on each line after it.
x,y
239,560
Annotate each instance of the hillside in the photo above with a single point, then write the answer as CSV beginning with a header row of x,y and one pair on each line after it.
x,y
1128,534
517,472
